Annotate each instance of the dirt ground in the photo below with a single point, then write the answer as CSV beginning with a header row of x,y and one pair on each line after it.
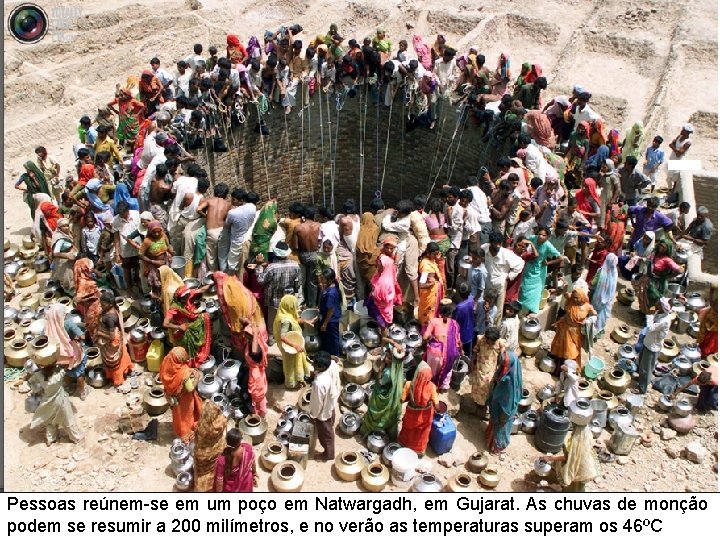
x,y
637,58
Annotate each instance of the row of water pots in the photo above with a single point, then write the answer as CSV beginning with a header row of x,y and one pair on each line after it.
x,y
24,264
181,461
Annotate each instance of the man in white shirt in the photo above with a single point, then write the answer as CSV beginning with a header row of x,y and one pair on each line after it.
x,y
582,112
165,78
400,224
658,327
194,59
125,223
534,159
323,400
446,72
190,222
480,204
471,226
455,222
182,79
502,265
238,224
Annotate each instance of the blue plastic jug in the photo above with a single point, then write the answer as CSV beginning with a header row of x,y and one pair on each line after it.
x,y
442,433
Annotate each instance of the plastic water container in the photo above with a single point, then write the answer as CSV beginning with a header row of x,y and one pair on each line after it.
x,y
155,355
552,429
404,463
442,433
594,367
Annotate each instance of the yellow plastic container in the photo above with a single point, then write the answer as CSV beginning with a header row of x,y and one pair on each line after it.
x,y
155,356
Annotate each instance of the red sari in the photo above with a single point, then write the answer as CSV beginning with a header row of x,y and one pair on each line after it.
x,y
615,227
196,339
597,259
708,335
87,296
421,393
174,371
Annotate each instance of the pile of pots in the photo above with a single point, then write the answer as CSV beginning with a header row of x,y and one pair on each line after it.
x,y
181,461
530,342
23,263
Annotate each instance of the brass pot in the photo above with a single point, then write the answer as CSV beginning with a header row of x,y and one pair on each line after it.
x,y
155,401
124,306
287,477
489,477
461,483
477,462
530,348
43,351
669,351
17,353
93,357
374,477
616,381
30,300
303,403
48,297
626,296
28,242
585,389
30,253
358,374
699,367
608,397
349,465
10,335
65,301
621,334
26,277
254,427
273,453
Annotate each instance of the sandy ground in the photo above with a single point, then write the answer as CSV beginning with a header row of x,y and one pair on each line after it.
x,y
627,54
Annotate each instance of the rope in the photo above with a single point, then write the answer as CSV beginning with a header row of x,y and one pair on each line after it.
x,y
332,164
378,193
302,142
452,139
322,146
262,141
339,102
362,140
387,140
464,116
437,147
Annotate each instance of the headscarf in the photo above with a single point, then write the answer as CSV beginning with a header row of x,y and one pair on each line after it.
x,y
647,250
584,199
87,173
58,234
421,387
533,74
287,312
669,246
149,84
122,193
184,301
599,128
583,130
265,227
633,140
209,444
252,46
596,160
540,129
39,177
38,199
170,282
577,309
153,247
233,40
423,52
613,142
91,193
607,282
52,215
367,235
55,331
503,67
174,371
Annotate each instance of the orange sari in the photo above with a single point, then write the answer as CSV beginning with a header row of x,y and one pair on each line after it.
x,y
567,343
114,353
430,297
421,394
87,296
174,372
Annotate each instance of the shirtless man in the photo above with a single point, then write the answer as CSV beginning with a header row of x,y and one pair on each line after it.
x,y
215,210
160,192
502,202
307,242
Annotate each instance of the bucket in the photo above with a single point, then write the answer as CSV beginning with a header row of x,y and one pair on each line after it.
x,y
594,367
623,440
177,264
404,462
358,317
600,411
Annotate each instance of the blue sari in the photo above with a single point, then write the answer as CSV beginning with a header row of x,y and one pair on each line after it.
x,y
122,193
504,399
535,274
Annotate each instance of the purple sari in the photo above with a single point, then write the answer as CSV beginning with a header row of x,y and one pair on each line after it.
x,y
240,478
450,353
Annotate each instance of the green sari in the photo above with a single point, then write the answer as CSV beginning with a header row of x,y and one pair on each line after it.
x,y
34,187
385,404
265,227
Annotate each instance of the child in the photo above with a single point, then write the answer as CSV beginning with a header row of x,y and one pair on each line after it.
x,y
212,61
90,239
402,51
463,315
576,281
654,157
524,226
575,221
486,312
510,326
478,275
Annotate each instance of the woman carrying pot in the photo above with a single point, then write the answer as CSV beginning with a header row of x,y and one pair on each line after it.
x,y
179,381
55,411
110,340
209,445
577,465
69,337
295,365
188,328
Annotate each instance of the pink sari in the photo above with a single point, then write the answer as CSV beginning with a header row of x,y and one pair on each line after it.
x,y
443,349
240,478
386,292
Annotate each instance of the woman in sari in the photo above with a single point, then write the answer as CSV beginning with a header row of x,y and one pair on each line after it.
x,y
209,445
597,257
179,381
295,366
55,410
236,51
577,153
35,183
87,296
150,91
555,112
110,340
613,143
603,294
422,398
632,145
577,465
170,282
615,224
46,220
122,193
366,251
597,160
444,347
535,271
92,194
69,338
708,333
597,137
503,402
539,128
385,404
130,112
64,254
435,222
385,291
589,205
568,341
188,328
243,316
431,288
235,470
660,268
330,312
155,252
265,227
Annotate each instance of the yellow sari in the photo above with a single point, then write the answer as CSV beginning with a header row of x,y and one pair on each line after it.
x,y
295,366
430,297
170,282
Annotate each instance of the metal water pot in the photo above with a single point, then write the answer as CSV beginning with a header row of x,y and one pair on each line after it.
x,y
370,335
581,412
347,339
531,329
356,354
397,333
692,352
623,439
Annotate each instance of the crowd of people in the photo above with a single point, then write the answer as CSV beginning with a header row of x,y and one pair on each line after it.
x,y
137,214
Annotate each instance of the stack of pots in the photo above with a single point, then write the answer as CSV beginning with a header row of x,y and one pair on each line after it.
x,y
182,464
530,342
357,367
